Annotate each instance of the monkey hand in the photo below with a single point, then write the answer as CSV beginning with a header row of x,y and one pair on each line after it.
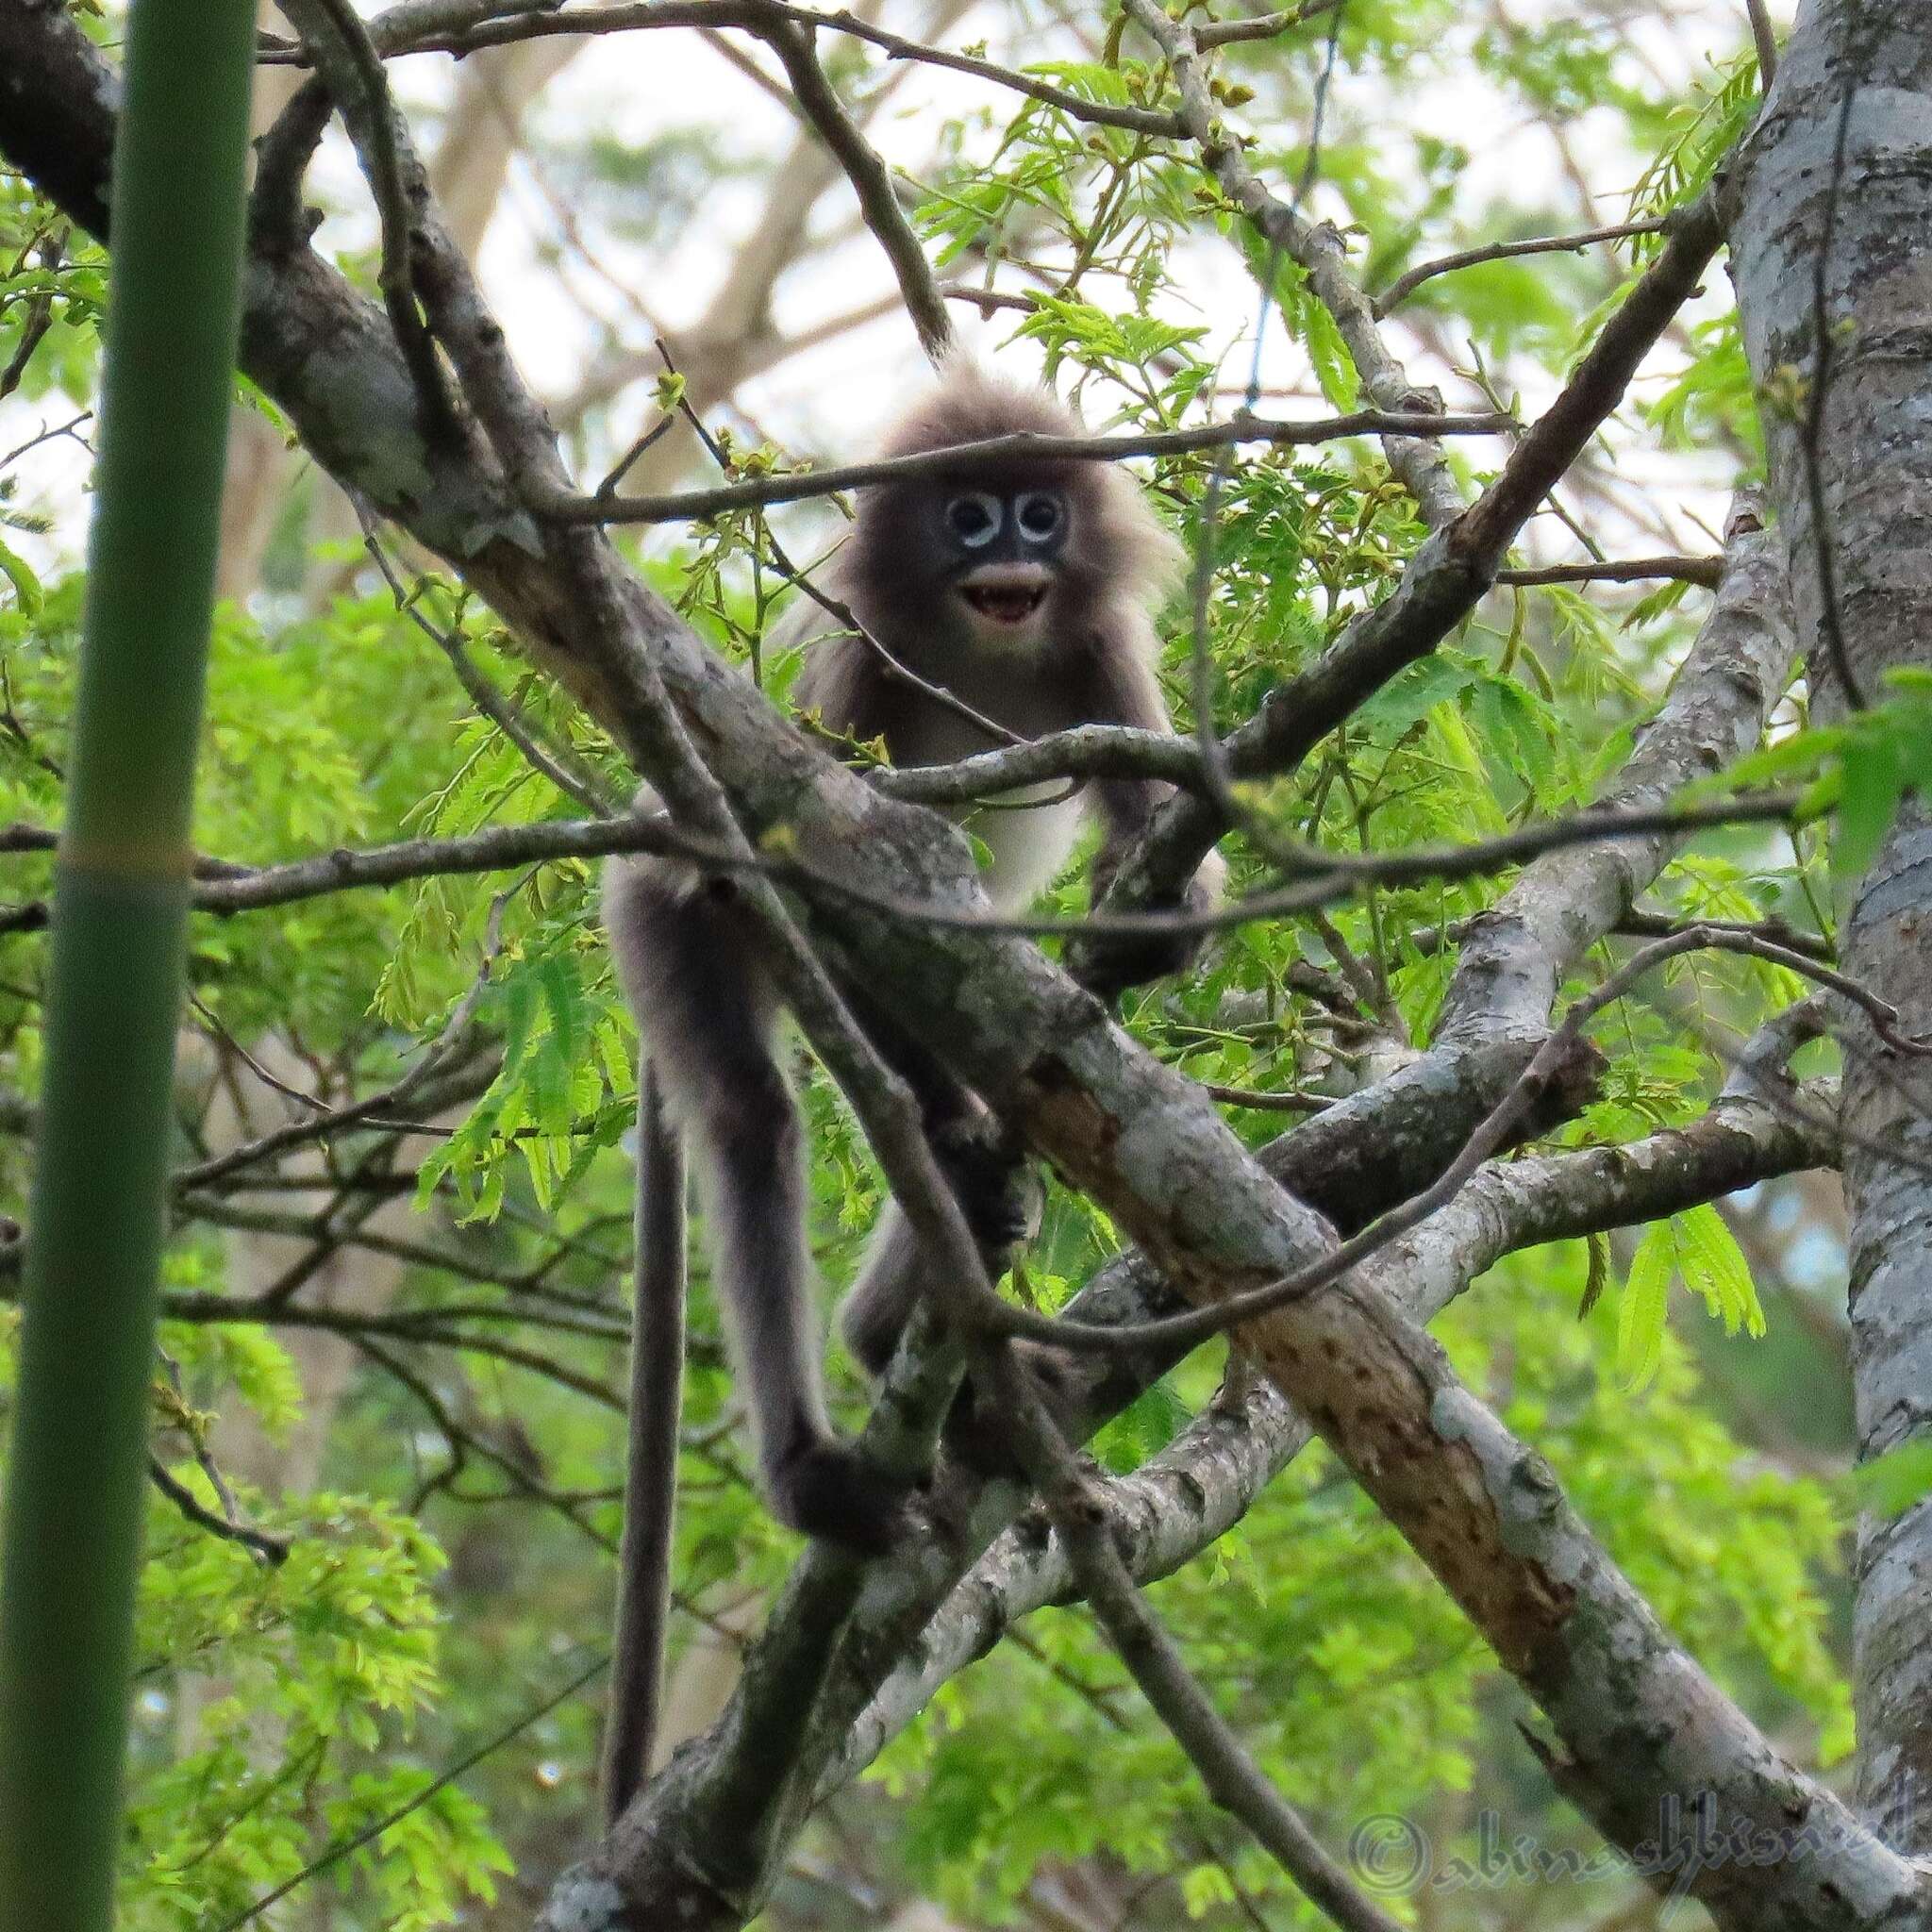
x,y
1108,966
975,1431
827,1488
986,1169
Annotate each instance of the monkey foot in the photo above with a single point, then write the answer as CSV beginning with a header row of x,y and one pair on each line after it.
x,y
828,1490
999,1197
975,1431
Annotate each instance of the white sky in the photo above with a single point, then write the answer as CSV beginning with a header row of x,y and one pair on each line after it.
x,y
831,398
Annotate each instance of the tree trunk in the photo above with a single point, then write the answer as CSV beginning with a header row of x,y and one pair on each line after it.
x,y
1842,172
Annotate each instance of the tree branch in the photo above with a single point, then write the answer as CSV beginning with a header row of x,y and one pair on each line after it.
x,y
1180,1502
1404,285
993,455
1233,1781
872,182
411,34
1442,581
350,66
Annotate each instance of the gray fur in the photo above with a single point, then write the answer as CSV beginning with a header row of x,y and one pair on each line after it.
x,y
687,957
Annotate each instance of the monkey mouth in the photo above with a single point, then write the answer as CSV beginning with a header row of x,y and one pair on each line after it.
x,y
1011,604
1007,595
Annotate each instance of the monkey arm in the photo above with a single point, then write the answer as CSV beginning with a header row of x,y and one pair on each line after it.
x,y
1119,687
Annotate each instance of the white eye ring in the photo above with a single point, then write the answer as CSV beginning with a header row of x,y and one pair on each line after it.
x,y
975,517
1039,516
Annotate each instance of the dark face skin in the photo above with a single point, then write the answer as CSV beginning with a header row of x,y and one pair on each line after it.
x,y
1000,557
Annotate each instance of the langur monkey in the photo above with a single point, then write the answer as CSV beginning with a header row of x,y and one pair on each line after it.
x,y
1026,590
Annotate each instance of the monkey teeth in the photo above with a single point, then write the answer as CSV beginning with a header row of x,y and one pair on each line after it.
x,y
1005,604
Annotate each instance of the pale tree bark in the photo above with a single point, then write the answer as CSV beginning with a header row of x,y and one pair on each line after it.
x,y
494,91
1842,171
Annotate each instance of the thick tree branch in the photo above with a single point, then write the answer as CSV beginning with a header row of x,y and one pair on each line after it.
x,y
1833,234
1179,1504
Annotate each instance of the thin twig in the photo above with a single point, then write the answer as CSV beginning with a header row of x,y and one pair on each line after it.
x,y
1404,286
999,452
1765,40
1288,1102
622,468
759,16
444,1050
1262,26
841,613
273,1550
1329,876
1811,432
341,1847
33,442
1232,1778
872,182
491,702
1706,571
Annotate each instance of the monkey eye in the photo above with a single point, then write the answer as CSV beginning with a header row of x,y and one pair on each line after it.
x,y
975,519
1038,515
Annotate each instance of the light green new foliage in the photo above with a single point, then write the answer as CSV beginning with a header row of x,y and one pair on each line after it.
x,y
76,1477
333,1656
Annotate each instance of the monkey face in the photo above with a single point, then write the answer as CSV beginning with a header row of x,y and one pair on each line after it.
x,y
1002,559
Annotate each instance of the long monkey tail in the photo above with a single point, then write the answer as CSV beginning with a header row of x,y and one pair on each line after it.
x,y
650,1482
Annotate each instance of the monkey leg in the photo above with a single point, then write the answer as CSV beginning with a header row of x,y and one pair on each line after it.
x,y
1000,1199
976,1430
983,1165
708,1013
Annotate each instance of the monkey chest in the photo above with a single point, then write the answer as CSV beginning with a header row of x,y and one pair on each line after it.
x,y
1026,835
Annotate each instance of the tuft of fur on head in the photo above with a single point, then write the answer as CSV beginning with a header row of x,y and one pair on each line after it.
x,y
1119,553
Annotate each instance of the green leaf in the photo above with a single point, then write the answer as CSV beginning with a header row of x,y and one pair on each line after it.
x,y
1714,1265
1335,368
26,586
1875,779
1641,1313
1597,1273
1408,698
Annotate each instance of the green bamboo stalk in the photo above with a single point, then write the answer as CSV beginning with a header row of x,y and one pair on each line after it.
x,y
76,1489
